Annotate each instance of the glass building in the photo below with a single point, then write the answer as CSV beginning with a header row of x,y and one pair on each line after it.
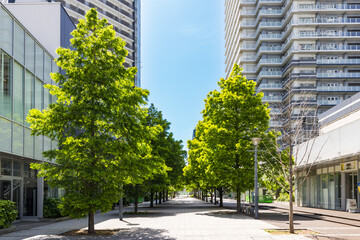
x,y
25,66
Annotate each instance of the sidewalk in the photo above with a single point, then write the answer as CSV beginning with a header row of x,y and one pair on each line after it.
x,y
308,210
181,218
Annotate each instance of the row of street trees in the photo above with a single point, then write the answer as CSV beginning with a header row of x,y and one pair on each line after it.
x,y
220,155
107,137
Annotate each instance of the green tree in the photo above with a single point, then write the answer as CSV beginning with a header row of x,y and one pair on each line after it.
x,y
99,121
234,115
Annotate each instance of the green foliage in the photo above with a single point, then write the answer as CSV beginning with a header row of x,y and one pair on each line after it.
x,y
7,213
99,120
221,154
52,208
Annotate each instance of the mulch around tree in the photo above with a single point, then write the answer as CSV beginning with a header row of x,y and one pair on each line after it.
x,y
286,231
85,232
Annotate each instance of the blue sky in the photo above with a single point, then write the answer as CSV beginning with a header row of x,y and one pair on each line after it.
x,y
182,57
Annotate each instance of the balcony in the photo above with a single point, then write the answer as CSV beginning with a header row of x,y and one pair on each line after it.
x,y
270,73
338,61
270,86
328,102
272,99
338,88
339,75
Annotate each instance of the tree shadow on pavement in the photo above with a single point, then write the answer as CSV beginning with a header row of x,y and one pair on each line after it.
x,y
128,234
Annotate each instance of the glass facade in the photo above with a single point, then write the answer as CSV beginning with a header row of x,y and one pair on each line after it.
x,y
328,188
25,67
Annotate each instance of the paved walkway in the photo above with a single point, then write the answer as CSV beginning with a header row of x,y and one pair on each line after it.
x,y
328,224
181,218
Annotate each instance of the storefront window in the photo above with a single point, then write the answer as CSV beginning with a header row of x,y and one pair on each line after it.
x,y
30,191
338,191
332,191
325,191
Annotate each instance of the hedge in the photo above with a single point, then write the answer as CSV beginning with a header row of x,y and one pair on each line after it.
x,y
7,213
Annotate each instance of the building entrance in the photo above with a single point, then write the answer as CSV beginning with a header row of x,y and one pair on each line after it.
x,y
351,186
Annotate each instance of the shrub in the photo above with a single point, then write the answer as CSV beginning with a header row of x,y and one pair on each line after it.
x,y
52,208
7,213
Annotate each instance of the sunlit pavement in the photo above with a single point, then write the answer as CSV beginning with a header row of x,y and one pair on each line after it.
x,y
180,218
325,229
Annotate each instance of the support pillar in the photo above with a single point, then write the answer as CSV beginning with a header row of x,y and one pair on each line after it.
x,y
40,197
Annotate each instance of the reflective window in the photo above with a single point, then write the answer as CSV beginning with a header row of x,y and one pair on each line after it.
x,y
39,61
5,85
6,166
19,43
5,31
16,168
38,146
29,93
5,133
28,143
18,93
18,139
47,69
38,94
29,53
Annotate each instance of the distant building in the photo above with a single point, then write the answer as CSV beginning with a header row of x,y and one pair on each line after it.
x,y
335,156
29,36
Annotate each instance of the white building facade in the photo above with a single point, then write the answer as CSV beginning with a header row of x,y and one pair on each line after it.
x,y
333,160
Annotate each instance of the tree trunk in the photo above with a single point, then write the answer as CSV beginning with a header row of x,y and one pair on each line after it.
x,y
151,199
291,210
160,197
91,224
221,197
121,208
156,198
163,195
211,198
167,195
215,196
206,197
238,206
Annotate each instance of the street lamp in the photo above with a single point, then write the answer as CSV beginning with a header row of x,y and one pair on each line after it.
x,y
256,142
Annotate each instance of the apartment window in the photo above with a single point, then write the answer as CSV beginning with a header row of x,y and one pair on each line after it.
x,y
332,32
306,6
331,46
306,46
332,57
332,98
332,84
306,33
306,20
331,19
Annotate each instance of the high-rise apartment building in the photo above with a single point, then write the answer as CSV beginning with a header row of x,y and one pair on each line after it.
x,y
296,50
124,15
